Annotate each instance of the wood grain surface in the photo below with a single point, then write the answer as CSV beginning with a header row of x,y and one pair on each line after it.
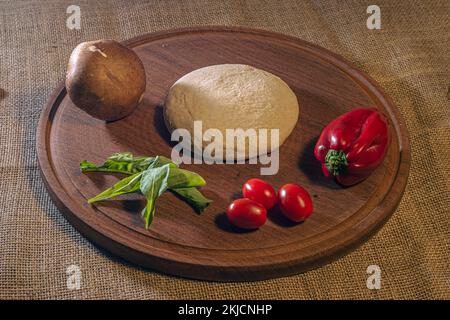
x,y
205,246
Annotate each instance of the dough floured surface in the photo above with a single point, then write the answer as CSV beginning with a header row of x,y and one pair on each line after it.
x,y
232,96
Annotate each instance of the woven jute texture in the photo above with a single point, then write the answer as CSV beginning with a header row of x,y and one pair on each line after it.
x,y
409,57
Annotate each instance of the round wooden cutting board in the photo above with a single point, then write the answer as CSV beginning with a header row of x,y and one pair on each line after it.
x,y
205,246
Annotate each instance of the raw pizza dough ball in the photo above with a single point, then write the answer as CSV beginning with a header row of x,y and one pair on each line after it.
x,y
231,96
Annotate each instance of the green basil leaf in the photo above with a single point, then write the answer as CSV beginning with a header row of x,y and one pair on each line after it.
x,y
160,161
152,176
129,184
122,156
180,178
119,163
153,184
193,197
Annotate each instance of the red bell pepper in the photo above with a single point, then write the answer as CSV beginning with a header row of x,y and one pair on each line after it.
x,y
353,145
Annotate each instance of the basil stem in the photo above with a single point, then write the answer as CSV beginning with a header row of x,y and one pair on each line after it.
x,y
193,197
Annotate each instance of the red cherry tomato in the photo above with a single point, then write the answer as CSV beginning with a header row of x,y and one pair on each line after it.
x,y
260,191
295,202
246,213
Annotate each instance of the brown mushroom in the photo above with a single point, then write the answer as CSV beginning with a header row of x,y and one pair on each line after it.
x,y
105,79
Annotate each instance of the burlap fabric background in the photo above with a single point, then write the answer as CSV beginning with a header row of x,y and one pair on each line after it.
x,y
409,57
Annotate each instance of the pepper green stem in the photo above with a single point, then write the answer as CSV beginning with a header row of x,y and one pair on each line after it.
x,y
336,161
